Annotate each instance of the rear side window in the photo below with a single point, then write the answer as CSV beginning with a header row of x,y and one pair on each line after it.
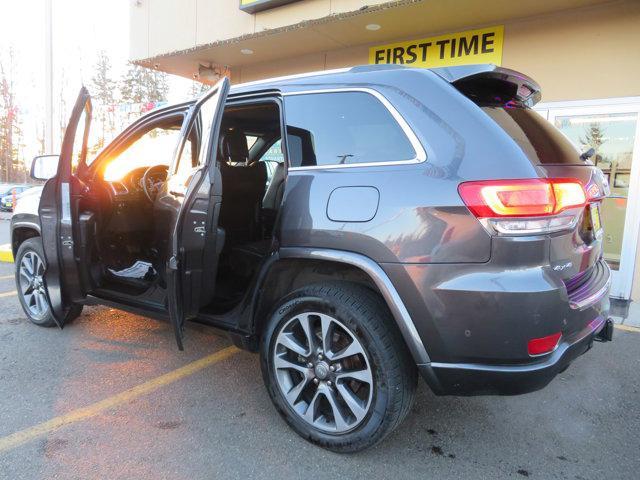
x,y
343,128
538,138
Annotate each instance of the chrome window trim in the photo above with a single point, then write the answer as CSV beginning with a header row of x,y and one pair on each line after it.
x,y
421,154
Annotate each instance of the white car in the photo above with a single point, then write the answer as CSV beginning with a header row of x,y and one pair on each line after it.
x,y
28,201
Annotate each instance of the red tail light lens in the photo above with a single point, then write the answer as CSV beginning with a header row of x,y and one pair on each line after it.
x,y
522,198
540,346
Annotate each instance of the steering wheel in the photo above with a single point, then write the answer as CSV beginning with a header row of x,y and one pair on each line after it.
x,y
150,185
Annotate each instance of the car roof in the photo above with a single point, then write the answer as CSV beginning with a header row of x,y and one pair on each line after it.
x,y
368,76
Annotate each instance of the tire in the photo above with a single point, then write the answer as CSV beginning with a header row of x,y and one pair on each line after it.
x,y
378,381
31,252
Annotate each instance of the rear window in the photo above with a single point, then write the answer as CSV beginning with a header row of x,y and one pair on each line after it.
x,y
539,139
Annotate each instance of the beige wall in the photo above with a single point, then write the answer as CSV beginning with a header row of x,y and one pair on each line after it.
x,y
162,26
585,54
592,53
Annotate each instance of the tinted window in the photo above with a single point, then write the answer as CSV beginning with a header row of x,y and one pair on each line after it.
x,y
539,139
343,128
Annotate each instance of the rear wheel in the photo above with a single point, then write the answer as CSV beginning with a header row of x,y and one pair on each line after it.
x,y
336,367
30,268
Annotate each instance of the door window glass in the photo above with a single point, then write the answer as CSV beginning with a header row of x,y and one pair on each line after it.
x,y
343,128
195,152
81,139
612,137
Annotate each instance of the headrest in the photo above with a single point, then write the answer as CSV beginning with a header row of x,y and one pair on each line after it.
x,y
234,146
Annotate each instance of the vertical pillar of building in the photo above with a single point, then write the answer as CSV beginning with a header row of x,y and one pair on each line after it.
x,y
48,87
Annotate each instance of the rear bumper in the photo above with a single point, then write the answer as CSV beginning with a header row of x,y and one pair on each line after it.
x,y
478,379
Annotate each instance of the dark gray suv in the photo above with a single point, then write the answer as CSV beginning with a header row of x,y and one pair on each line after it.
x,y
355,227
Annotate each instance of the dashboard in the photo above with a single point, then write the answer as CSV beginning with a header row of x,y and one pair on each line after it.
x,y
133,183
129,207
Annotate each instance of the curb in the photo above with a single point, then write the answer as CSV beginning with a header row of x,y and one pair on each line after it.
x,y
5,253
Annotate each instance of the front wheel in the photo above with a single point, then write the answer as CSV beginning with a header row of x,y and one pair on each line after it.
x,y
30,268
336,367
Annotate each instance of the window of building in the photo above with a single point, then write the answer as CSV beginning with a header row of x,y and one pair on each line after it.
x,y
343,128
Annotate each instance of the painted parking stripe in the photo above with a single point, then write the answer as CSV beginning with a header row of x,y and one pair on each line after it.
x,y
7,277
23,436
8,294
627,328
6,254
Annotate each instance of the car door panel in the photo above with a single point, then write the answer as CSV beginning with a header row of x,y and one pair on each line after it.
x,y
58,211
184,206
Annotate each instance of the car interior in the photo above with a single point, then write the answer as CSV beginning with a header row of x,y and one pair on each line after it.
x,y
126,259
252,168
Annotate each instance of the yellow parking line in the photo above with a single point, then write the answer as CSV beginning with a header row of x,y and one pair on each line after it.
x,y
7,277
8,294
627,328
23,436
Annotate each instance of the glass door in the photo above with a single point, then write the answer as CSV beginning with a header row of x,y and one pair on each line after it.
x,y
613,131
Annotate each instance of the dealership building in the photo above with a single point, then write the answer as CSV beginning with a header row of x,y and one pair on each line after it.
x,y
584,54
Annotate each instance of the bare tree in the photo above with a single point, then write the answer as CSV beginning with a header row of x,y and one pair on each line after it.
x,y
10,131
141,85
594,138
198,88
103,89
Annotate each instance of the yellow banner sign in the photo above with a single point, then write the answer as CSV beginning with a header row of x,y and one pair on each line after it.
x,y
462,48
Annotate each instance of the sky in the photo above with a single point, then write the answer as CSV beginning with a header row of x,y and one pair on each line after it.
x,y
81,28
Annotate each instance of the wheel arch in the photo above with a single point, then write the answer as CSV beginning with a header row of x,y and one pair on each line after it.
x,y
296,267
21,231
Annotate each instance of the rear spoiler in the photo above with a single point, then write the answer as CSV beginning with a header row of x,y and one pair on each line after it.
x,y
488,84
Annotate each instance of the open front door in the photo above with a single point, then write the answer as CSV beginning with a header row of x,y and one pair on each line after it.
x,y
186,205
58,213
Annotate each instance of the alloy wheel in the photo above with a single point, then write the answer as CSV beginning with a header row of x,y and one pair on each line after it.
x,y
32,286
323,372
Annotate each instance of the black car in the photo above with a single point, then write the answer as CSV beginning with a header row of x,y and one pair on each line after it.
x,y
355,227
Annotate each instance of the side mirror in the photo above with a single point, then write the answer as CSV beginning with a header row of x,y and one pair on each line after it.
x,y
44,167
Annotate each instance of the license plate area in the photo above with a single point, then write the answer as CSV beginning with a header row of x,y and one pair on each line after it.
x,y
594,213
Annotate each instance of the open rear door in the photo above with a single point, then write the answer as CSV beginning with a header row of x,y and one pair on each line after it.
x,y
58,213
186,203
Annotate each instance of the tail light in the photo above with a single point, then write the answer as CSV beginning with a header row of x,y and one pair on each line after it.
x,y
525,206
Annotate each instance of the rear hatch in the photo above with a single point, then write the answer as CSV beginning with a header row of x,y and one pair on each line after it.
x,y
576,250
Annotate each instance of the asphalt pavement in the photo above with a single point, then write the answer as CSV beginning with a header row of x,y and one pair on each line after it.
x,y
111,397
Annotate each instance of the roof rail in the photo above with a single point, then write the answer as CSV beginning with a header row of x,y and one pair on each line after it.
x,y
290,77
